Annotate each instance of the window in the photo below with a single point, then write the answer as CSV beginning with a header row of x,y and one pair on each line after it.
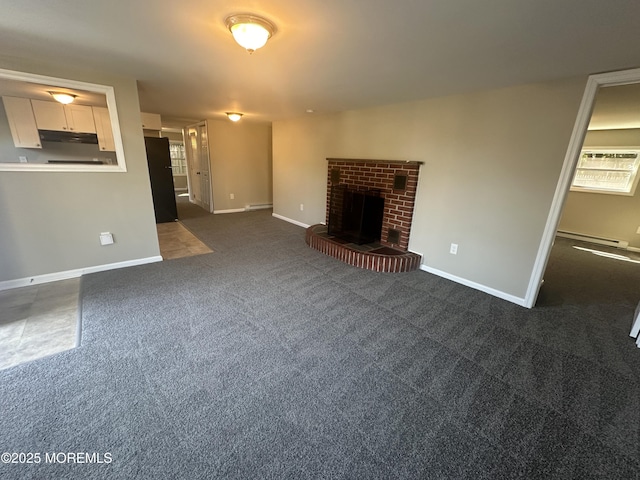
x,y
607,171
178,159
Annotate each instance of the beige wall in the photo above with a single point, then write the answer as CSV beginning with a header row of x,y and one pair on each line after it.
x,y
491,164
603,215
51,221
240,155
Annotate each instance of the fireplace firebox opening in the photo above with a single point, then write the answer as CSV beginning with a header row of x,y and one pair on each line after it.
x,y
355,216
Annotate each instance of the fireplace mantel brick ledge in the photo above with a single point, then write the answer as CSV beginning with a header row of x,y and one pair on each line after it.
x,y
398,262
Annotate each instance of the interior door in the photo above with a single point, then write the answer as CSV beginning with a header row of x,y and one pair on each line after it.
x,y
197,151
161,176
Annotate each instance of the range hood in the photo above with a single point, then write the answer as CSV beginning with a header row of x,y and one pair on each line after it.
x,y
67,137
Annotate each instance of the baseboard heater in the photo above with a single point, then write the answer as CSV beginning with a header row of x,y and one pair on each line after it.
x,y
611,242
258,206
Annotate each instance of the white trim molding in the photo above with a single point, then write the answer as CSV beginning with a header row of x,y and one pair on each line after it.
x,y
568,168
248,208
230,210
54,277
290,220
476,286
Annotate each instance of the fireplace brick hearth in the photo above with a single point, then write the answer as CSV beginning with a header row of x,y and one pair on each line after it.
x,y
382,259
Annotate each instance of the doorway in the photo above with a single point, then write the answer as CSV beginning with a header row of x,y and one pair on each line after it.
x,y
198,170
594,83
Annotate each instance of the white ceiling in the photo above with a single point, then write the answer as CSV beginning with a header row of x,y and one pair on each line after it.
x,y
328,55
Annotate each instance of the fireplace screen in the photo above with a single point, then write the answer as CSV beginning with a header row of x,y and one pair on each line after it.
x,y
355,216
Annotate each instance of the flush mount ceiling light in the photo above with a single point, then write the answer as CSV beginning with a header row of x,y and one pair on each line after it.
x,y
250,31
62,97
234,116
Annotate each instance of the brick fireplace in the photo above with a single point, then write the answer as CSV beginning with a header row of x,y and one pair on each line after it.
x,y
396,183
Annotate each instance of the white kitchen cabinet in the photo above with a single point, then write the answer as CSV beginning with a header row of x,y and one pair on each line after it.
x,y
22,122
103,129
80,118
59,117
49,115
151,121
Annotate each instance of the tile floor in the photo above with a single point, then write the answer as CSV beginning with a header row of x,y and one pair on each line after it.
x,y
177,242
37,321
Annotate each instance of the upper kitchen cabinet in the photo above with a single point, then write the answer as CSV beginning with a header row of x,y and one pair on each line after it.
x,y
79,118
22,123
103,129
56,116
151,121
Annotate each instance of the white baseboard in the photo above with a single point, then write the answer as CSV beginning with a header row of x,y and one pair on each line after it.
x,y
230,210
610,242
290,220
477,286
248,208
54,277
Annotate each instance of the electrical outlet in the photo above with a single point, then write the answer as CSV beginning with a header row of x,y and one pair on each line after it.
x,y
454,249
22,159
638,230
106,238
301,207
232,196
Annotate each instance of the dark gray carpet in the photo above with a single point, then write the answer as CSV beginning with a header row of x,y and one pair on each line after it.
x,y
267,359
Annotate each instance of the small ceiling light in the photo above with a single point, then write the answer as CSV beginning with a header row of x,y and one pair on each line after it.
x,y
251,32
62,97
234,116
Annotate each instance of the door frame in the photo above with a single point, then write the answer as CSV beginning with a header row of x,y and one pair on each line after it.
x,y
576,142
188,157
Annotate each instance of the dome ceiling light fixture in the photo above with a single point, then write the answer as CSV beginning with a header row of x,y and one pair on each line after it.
x,y
64,98
234,116
250,31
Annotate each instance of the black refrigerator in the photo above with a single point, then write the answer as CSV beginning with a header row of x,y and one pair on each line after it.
x,y
161,176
